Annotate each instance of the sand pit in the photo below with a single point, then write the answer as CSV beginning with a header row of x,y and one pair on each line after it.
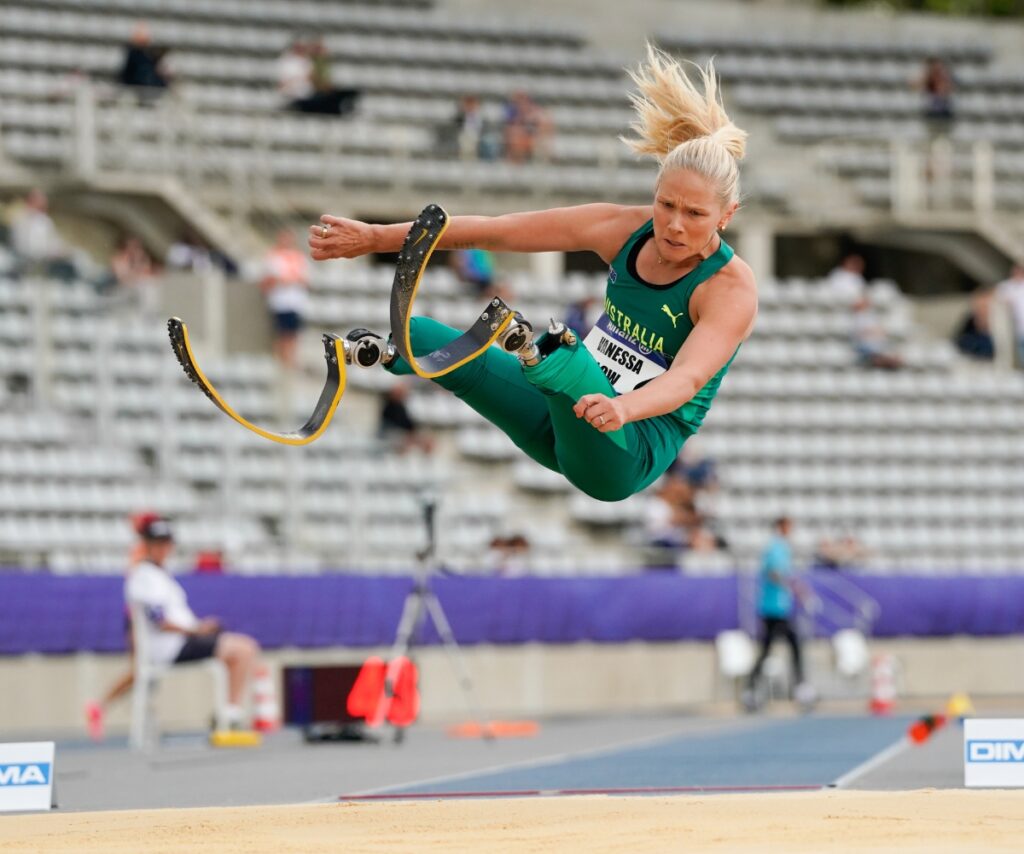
x,y
929,821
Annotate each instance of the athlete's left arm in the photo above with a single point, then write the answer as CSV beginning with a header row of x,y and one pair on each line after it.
x,y
725,314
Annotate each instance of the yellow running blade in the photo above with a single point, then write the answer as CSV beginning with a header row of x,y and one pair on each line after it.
x,y
333,389
419,245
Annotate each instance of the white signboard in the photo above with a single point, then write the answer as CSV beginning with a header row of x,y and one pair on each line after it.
x,y
26,776
994,752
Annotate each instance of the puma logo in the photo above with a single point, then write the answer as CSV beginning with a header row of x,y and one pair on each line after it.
x,y
672,317
418,239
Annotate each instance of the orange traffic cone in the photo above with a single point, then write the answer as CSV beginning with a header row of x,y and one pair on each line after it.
x,y
921,729
366,699
883,684
266,711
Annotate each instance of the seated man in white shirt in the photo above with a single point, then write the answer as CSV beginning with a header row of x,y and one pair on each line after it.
x,y
175,635
1011,292
847,281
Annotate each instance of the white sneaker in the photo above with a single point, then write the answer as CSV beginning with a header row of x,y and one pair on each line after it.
x,y
805,695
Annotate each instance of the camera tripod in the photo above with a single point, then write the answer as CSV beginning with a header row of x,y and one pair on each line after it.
x,y
421,602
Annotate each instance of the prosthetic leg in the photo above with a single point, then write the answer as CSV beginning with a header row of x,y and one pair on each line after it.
x,y
362,347
497,323
334,387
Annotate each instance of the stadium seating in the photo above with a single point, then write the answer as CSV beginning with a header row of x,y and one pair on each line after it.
x,y
225,121
920,464
850,101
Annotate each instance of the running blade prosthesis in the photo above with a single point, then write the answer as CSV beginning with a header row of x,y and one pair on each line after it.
x,y
492,323
333,388
420,242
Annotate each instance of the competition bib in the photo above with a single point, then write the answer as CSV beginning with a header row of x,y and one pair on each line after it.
x,y
625,362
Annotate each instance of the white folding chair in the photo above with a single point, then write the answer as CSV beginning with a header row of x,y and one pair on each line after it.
x,y
144,732
736,654
851,652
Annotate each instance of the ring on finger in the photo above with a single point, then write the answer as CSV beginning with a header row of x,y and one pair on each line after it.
x,y
323,230
600,420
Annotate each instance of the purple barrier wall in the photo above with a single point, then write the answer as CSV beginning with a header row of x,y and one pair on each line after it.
x,y
40,613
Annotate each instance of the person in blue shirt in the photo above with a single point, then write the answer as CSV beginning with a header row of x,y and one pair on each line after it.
x,y
777,605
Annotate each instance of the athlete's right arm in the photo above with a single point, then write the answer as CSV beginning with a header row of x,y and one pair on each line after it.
x,y
599,228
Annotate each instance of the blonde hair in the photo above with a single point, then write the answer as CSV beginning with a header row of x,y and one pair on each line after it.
x,y
683,126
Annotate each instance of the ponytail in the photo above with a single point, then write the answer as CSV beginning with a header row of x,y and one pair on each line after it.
x,y
683,126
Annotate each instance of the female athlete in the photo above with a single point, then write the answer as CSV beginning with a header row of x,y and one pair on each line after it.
x,y
611,412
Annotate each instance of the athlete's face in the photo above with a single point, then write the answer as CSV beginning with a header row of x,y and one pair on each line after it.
x,y
687,212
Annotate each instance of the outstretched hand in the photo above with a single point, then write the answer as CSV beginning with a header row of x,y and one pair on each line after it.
x,y
337,237
605,414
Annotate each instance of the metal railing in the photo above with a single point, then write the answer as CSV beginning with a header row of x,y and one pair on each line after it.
x,y
837,603
929,176
111,130
937,176
842,604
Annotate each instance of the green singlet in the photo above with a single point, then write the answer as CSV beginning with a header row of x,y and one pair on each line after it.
x,y
642,328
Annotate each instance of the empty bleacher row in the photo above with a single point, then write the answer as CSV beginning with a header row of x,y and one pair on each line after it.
x,y
289,16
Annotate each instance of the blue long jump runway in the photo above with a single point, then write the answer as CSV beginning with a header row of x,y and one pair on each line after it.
x,y
753,755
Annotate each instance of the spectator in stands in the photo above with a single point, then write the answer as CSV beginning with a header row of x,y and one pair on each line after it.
x,y
937,83
295,75
36,242
191,253
474,267
528,129
304,79
468,127
1011,292
842,552
327,98
175,634
470,135
974,337
777,599
847,281
508,555
133,274
133,267
695,467
285,284
145,64
870,340
581,315
397,424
